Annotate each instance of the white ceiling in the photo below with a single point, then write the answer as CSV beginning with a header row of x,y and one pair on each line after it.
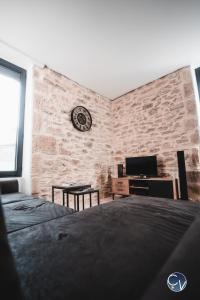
x,y
109,46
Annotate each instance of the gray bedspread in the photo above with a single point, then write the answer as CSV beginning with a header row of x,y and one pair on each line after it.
x,y
113,251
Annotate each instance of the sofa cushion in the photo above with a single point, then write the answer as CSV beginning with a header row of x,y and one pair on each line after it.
x,y
9,186
22,214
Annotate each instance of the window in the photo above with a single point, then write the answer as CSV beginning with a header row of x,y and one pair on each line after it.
x,y
12,102
197,71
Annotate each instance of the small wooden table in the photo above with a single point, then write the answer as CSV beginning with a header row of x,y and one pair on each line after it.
x,y
81,193
68,187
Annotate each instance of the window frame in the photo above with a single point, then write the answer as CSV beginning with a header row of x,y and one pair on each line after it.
x,y
20,135
197,72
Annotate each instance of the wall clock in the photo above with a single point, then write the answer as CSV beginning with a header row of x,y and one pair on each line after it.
x,y
81,118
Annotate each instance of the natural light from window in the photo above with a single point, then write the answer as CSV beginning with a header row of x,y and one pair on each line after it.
x,y
9,114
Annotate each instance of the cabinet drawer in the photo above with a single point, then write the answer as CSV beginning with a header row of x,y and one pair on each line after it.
x,y
120,186
120,191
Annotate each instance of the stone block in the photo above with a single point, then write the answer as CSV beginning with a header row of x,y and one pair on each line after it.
x,y
188,89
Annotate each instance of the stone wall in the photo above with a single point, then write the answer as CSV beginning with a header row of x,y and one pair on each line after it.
x,y
159,119
61,153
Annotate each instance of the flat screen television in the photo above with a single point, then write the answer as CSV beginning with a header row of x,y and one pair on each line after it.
x,y
142,166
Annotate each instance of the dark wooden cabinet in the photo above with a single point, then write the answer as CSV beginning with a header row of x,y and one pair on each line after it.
x,y
163,189
152,187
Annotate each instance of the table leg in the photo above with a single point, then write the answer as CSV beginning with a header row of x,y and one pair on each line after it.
x,y
77,202
52,194
83,202
74,202
67,199
98,198
63,198
113,196
90,200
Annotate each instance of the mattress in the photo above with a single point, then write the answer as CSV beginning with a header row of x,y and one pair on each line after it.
x,y
113,251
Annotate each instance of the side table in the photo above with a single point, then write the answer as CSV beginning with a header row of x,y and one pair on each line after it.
x,y
82,193
68,187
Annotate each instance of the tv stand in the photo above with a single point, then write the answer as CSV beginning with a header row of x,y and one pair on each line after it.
x,y
161,187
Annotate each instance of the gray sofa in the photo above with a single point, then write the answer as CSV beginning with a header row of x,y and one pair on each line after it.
x,y
124,249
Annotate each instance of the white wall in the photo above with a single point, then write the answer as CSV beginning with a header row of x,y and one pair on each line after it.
x,y
17,58
197,96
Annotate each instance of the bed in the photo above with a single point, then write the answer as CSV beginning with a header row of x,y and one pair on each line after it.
x,y
124,249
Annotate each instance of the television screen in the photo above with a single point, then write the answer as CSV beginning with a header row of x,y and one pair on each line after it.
x,y
146,165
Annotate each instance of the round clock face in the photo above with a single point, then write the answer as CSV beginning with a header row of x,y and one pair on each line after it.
x,y
81,118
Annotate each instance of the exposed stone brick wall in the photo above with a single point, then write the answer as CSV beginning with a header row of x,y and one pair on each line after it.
x,y
160,118
60,152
